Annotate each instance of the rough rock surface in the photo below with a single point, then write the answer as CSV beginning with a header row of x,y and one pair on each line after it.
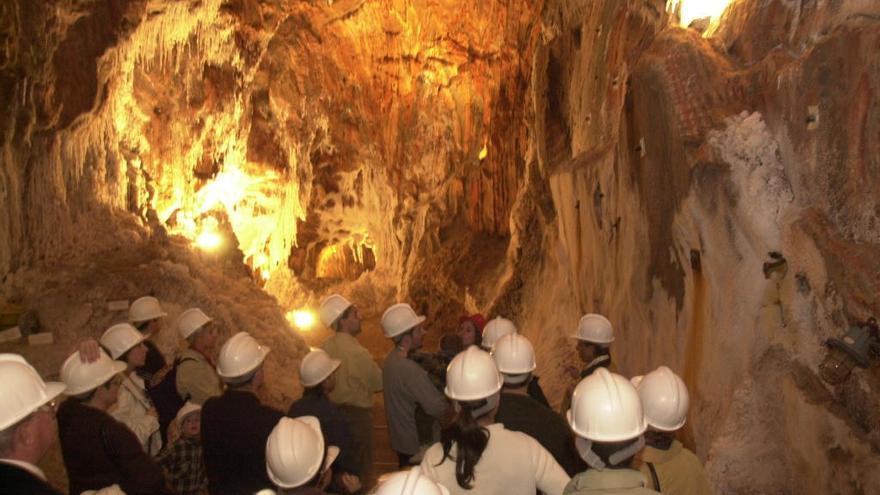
x,y
533,159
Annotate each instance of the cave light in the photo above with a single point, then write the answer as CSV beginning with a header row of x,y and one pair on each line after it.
x,y
209,240
697,9
483,153
302,319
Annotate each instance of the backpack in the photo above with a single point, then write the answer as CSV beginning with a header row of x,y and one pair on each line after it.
x,y
162,389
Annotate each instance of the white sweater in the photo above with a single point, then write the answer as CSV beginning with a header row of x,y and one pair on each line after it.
x,y
512,464
132,409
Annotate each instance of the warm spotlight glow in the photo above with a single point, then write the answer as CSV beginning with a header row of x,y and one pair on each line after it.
x,y
698,9
209,240
302,319
484,153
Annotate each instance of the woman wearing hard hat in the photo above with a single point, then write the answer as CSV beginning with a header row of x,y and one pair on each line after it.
x,y
133,407
478,455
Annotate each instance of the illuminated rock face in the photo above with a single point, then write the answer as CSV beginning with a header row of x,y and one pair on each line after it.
x,y
534,161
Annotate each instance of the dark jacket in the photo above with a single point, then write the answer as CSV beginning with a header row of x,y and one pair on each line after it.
x,y
235,427
524,414
17,481
536,392
334,427
99,451
155,361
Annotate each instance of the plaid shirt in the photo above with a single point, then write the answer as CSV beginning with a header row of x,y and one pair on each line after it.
x,y
185,466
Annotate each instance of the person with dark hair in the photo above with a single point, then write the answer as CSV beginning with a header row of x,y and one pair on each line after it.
x,y
235,425
297,459
27,426
594,336
515,358
478,455
470,328
99,451
147,316
406,384
608,421
317,374
357,378
133,407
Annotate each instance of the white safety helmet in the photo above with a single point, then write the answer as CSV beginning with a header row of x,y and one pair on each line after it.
x,y
190,321
496,328
83,377
411,482
295,451
316,367
605,407
332,308
515,357
240,355
596,329
472,375
186,410
665,399
400,318
121,338
145,309
22,390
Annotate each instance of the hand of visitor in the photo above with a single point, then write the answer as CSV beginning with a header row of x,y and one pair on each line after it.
x,y
89,351
351,482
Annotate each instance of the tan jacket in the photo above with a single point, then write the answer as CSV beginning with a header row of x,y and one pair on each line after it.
x,y
608,482
679,471
358,377
197,380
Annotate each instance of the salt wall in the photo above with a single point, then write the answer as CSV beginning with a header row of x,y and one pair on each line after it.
x,y
715,196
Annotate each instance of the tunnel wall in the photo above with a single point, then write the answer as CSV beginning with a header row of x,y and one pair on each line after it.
x,y
681,168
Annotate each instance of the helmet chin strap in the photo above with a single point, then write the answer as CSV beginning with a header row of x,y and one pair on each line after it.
x,y
584,448
491,402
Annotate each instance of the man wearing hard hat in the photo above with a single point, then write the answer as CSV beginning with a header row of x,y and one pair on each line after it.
x,y
406,384
235,425
99,451
196,378
27,426
357,378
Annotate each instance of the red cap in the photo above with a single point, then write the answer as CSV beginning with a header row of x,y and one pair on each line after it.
x,y
477,319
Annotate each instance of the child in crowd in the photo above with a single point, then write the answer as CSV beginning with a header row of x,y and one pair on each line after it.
x,y
182,459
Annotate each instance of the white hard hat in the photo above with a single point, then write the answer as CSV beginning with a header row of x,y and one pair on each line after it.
x,y
120,338
190,321
398,319
472,375
496,328
240,355
145,309
22,390
605,407
186,410
665,399
295,451
332,308
411,482
595,328
83,377
316,367
515,357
